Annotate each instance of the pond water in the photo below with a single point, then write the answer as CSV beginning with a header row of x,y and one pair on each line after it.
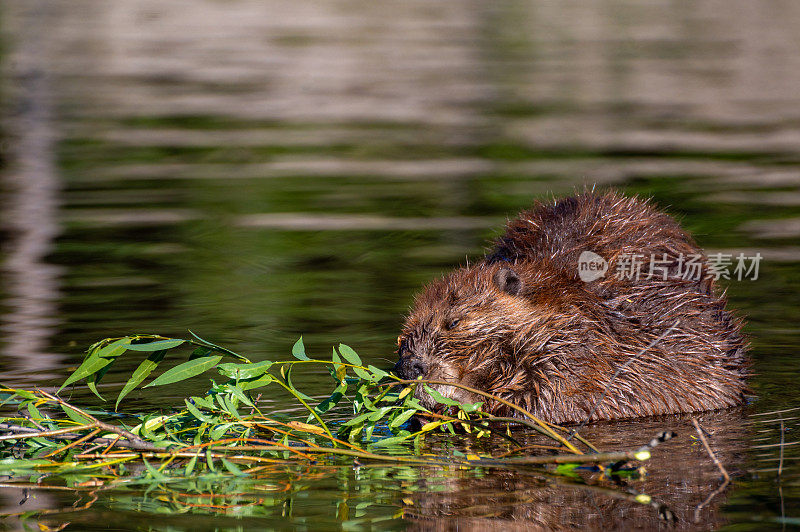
x,y
256,171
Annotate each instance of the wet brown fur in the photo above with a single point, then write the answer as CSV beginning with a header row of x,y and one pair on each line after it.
x,y
522,325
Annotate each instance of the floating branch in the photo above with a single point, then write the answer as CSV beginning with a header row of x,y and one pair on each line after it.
x,y
225,428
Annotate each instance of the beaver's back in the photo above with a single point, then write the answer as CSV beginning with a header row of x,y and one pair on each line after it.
x,y
608,224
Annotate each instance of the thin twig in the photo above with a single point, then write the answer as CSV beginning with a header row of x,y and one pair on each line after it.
x,y
94,448
267,443
477,424
132,438
219,451
27,416
520,421
110,445
295,428
708,499
519,409
89,436
780,463
44,434
709,451
66,433
725,475
150,454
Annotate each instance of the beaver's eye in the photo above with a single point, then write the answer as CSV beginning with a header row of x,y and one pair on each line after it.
x,y
453,324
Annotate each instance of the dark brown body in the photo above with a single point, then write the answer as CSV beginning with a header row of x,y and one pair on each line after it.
x,y
522,325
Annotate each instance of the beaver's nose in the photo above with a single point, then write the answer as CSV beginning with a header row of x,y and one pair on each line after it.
x,y
410,368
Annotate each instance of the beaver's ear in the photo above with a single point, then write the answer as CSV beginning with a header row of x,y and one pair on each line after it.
x,y
508,281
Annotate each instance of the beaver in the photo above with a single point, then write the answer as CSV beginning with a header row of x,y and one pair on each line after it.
x,y
522,325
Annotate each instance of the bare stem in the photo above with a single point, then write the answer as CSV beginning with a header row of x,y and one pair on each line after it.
x,y
132,438
709,451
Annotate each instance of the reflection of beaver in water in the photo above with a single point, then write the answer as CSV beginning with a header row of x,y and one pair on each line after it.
x,y
522,325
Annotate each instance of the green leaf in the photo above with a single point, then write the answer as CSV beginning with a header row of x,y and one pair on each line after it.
x,y
220,348
413,403
114,349
390,441
210,462
8,464
7,398
34,412
186,370
439,398
197,413
155,473
43,442
257,383
349,355
379,373
141,373
97,360
299,350
358,419
239,394
158,345
379,413
190,466
363,374
151,422
244,371
402,418
221,403
203,402
228,405
471,407
218,431
96,378
74,415
333,400
338,370
233,468
25,394
363,398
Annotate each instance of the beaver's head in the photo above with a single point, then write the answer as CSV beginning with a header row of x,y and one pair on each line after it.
x,y
466,328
